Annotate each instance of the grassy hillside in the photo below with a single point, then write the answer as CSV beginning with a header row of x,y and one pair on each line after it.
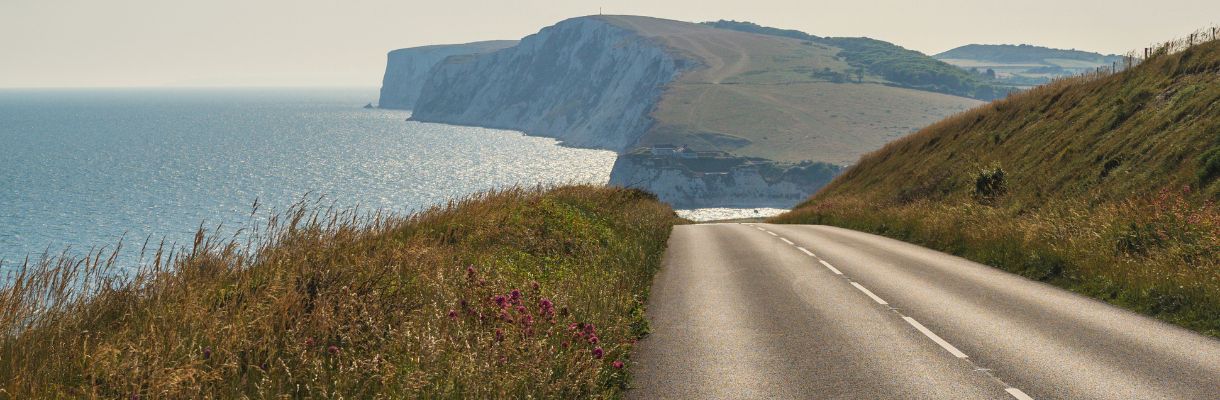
x,y
518,293
1019,54
779,98
1025,65
892,63
1104,185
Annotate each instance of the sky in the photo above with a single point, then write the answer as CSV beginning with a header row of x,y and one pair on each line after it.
x,y
140,43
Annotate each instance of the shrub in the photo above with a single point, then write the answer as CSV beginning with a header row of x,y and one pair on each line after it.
x,y
1209,166
989,185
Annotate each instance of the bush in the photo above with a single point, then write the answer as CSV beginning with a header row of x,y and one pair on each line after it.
x,y
989,185
1209,166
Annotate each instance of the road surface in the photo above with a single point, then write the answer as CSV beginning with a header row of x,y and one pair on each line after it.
x,y
797,311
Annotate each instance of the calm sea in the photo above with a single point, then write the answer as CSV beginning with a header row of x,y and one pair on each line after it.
x,y
82,168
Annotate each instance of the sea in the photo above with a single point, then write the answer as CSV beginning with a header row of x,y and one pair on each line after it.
x,y
82,169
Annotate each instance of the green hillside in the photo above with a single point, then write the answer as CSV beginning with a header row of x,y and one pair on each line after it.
x,y
779,98
1025,65
1024,53
897,65
1105,185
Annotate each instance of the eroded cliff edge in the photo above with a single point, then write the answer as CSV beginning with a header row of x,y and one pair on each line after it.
x,y
584,81
407,69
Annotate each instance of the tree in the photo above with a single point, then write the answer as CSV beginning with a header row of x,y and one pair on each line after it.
x,y
990,74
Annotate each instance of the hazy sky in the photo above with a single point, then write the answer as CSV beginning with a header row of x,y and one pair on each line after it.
x,y
78,43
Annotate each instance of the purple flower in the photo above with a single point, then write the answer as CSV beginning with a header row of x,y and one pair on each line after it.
x,y
309,342
598,353
617,364
501,301
499,335
453,314
515,294
522,310
207,353
534,285
593,339
470,273
332,349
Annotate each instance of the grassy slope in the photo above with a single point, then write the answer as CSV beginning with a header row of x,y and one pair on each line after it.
x,y
1110,187
758,96
357,308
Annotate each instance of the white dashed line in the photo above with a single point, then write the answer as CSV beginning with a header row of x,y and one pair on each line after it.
x,y
806,251
870,294
772,233
1018,394
787,241
952,350
832,268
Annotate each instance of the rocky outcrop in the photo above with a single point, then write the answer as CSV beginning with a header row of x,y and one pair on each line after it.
x,y
584,81
730,182
407,69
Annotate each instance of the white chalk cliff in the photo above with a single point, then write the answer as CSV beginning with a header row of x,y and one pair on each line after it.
x,y
584,81
407,69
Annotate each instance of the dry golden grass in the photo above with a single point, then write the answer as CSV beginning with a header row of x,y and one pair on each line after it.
x,y
515,293
1110,183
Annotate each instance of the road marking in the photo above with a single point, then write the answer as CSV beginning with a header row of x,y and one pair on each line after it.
x,y
760,228
952,350
832,268
1018,394
772,233
806,251
787,241
870,294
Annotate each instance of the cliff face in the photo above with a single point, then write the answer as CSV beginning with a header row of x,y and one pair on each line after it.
x,y
584,81
744,185
407,69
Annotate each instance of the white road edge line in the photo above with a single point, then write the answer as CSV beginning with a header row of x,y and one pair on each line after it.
x,y
772,233
806,251
1018,394
787,241
952,350
870,294
832,268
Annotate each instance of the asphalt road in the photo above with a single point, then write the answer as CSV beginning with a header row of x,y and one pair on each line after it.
x,y
796,311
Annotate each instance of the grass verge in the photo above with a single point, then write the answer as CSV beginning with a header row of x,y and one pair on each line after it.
x,y
1158,255
514,293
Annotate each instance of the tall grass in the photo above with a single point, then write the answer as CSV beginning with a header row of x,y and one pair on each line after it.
x,y
513,293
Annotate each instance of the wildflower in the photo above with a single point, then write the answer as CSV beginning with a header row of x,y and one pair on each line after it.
x,y
515,296
527,320
501,301
470,273
593,339
207,353
453,314
332,349
464,304
522,310
309,341
534,285
589,329
618,364
598,353
548,308
499,335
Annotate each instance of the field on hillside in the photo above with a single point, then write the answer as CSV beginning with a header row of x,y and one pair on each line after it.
x,y
510,294
1104,185
779,98
821,121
